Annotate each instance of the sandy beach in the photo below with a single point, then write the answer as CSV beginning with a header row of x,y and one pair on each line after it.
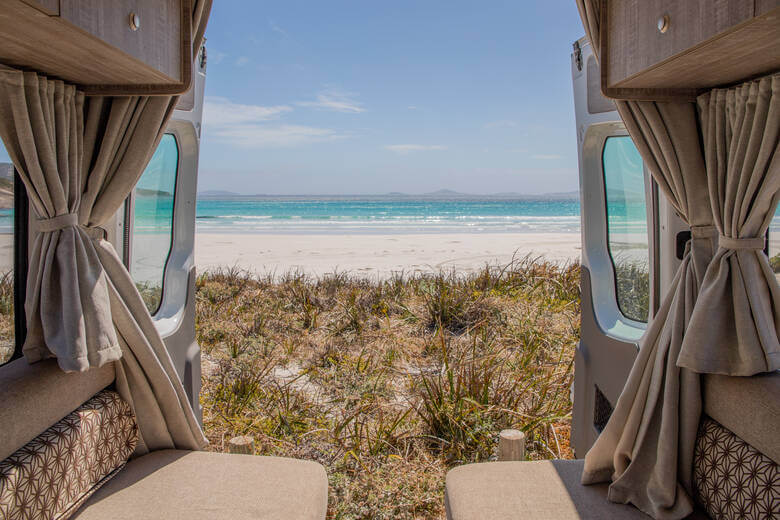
x,y
377,255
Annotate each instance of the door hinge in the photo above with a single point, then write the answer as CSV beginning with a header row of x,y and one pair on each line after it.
x,y
577,54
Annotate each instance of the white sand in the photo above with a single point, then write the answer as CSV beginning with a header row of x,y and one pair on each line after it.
x,y
6,252
377,255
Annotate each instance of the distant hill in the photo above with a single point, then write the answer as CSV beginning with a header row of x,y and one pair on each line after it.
x,y
433,195
213,194
144,192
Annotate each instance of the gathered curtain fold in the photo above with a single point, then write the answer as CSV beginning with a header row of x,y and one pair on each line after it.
x,y
646,449
79,158
734,327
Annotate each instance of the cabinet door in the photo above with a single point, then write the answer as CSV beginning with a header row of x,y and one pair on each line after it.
x,y
50,7
149,30
643,33
764,6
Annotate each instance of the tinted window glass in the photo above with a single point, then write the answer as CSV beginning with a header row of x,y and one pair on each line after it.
x,y
7,324
627,226
153,222
774,243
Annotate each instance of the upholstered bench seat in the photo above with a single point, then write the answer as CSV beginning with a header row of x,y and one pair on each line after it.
x,y
175,485
538,490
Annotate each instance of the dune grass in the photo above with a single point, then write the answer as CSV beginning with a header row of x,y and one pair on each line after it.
x,y
7,327
389,383
632,279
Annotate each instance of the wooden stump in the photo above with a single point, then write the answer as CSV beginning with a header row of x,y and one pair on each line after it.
x,y
511,445
244,445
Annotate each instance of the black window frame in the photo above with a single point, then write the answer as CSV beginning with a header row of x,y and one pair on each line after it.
x,y
21,263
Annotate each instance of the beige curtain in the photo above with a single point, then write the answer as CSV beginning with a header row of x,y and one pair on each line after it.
x,y
646,448
734,327
79,158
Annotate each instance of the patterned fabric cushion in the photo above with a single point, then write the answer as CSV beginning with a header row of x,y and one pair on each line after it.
x,y
52,475
733,479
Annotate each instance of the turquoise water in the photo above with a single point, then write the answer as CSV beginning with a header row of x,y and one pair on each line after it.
x,y
354,216
270,215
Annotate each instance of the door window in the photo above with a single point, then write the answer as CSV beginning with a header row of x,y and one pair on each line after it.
x,y
774,243
10,239
627,235
152,222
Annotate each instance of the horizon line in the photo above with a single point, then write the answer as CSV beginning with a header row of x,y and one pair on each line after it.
x,y
443,192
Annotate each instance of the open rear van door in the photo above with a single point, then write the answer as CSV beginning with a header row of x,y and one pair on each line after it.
x,y
156,232
621,234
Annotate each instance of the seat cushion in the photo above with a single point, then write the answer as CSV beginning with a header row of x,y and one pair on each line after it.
x,y
530,490
193,485
36,396
53,474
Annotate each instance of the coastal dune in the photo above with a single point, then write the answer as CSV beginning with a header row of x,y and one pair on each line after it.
x,y
377,255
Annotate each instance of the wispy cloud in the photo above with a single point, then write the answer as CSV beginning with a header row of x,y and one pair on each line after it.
x,y
335,101
255,126
275,28
241,61
411,107
409,148
277,136
503,123
221,111
547,157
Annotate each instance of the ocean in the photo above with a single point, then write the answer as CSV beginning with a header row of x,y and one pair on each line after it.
x,y
285,215
324,216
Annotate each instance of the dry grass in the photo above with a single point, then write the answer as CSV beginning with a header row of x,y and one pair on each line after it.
x,y
7,327
390,383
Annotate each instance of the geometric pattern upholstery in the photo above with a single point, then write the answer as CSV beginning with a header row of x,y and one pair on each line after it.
x,y
52,475
731,478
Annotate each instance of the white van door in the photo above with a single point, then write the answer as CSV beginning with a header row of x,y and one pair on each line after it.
x,y
156,233
620,288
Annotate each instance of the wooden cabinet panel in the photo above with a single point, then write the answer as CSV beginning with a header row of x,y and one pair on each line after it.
x,y
668,49
764,6
157,39
636,43
93,43
50,7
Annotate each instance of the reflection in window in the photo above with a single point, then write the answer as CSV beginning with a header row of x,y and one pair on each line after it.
x,y
774,243
153,222
7,324
627,226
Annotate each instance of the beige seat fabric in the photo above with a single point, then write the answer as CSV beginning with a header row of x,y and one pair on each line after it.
x,y
34,397
183,485
530,490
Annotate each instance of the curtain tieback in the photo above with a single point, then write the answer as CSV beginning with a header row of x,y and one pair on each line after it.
x,y
741,243
703,232
47,225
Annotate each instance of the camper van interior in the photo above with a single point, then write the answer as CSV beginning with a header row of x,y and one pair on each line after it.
x,y
675,401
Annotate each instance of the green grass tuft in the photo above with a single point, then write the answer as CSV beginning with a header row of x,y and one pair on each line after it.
x,y
389,383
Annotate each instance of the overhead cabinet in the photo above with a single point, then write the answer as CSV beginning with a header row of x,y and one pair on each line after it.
x,y
651,49
105,46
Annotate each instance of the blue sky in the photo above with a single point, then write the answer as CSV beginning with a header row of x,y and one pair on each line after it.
x,y
372,97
